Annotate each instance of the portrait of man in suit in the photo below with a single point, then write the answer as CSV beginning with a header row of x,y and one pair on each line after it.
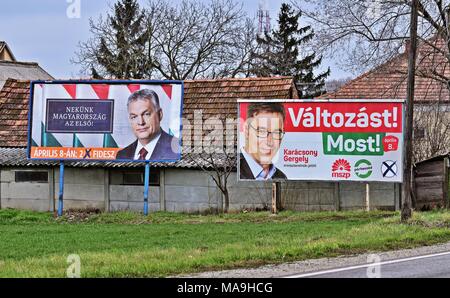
x,y
152,142
264,132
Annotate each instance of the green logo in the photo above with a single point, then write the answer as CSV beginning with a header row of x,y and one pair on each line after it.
x,y
363,169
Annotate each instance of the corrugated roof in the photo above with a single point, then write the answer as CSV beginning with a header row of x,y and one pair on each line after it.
x,y
389,81
21,71
17,157
215,98
439,157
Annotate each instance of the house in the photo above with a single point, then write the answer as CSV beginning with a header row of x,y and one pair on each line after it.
x,y
6,53
432,94
11,68
176,187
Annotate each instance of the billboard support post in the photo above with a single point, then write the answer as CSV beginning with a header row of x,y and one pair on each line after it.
x,y
146,186
61,189
274,198
367,197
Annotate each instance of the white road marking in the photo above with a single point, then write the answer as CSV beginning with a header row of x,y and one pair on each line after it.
x,y
367,265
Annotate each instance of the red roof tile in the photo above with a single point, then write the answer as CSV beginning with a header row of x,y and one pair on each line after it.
x,y
14,113
389,81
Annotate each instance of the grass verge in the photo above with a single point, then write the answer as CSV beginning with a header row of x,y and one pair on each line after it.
x,y
165,244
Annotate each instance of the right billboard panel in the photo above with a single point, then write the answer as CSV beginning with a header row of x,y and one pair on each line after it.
x,y
345,140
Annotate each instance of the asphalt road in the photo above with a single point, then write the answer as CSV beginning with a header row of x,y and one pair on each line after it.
x,y
427,261
427,266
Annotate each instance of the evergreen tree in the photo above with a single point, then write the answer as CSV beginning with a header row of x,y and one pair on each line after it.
x,y
279,54
122,51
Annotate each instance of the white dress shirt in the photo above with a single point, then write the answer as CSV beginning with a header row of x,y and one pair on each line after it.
x,y
150,147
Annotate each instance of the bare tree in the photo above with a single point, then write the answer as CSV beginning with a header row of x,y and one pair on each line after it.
x,y
376,32
367,33
336,84
195,39
213,150
164,40
241,55
219,167
353,31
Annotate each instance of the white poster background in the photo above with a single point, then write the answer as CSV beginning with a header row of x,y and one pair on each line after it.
x,y
312,167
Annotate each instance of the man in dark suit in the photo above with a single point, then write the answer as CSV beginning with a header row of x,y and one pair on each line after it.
x,y
247,174
264,132
153,143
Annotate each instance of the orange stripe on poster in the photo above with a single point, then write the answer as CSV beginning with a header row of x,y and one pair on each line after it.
x,y
67,153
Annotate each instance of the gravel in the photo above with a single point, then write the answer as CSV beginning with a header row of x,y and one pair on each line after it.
x,y
284,270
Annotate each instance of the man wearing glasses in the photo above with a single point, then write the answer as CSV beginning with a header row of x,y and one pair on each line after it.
x,y
153,143
264,132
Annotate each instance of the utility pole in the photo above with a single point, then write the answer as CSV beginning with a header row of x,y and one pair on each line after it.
x,y
407,164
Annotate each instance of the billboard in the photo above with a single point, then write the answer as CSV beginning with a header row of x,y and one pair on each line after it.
x,y
342,140
105,120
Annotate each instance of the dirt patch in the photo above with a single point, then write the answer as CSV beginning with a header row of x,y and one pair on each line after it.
x,y
79,215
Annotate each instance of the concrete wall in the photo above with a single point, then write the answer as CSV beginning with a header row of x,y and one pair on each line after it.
x,y
125,197
324,196
33,196
383,196
310,196
199,194
83,188
185,191
249,195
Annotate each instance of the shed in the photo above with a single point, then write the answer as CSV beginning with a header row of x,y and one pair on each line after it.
x,y
432,183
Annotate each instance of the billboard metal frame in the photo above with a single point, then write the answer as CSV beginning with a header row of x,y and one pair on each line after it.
x,y
98,82
239,101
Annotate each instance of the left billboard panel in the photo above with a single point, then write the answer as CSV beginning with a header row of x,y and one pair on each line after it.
x,y
105,121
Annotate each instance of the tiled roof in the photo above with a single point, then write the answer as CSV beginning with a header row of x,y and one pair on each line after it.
x,y
14,113
389,81
213,97
219,97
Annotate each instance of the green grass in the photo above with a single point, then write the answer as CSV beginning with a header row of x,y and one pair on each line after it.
x,y
165,244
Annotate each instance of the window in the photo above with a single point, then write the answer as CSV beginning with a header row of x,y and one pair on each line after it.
x,y
31,176
133,177
419,133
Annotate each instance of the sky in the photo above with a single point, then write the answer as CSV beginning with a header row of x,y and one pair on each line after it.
x,y
41,31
